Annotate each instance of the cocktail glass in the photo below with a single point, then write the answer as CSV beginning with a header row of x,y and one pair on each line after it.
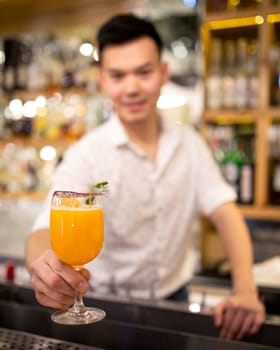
x,y
77,235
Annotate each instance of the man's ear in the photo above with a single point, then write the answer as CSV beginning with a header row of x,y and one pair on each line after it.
x,y
165,72
100,77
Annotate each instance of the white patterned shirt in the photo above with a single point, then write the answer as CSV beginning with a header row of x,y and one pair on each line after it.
x,y
152,208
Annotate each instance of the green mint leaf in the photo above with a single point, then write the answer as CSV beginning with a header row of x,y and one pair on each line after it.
x,y
100,186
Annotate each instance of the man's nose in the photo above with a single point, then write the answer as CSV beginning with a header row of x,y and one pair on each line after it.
x,y
131,84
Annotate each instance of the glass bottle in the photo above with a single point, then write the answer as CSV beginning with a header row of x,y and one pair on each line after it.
x,y
276,80
246,188
228,80
232,165
274,183
214,80
253,78
22,66
11,53
241,78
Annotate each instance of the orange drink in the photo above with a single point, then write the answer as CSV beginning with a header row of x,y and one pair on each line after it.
x,y
77,234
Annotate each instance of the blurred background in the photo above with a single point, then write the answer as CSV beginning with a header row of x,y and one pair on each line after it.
x,y
224,59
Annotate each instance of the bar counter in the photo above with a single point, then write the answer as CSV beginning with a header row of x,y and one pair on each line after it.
x,y
24,324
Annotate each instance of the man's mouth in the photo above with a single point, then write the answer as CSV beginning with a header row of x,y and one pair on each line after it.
x,y
135,105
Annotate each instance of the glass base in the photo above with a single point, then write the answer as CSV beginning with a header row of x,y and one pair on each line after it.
x,y
68,317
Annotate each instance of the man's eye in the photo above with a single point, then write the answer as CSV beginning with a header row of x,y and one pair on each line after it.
x,y
117,76
144,72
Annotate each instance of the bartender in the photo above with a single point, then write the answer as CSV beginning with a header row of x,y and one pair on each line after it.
x,y
161,177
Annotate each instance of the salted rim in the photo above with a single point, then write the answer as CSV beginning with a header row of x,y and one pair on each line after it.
x,y
64,194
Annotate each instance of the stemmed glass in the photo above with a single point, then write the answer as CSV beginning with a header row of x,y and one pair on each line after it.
x,y
77,234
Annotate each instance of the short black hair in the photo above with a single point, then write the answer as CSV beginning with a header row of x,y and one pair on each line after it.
x,y
123,28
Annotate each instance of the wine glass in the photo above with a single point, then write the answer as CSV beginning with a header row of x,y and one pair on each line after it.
x,y
77,234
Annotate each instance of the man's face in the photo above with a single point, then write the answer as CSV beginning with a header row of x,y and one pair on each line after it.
x,y
132,75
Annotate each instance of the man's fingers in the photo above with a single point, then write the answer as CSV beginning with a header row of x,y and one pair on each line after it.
x,y
45,300
51,296
232,323
239,316
55,283
218,314
246,327
85,273
68,275
258,322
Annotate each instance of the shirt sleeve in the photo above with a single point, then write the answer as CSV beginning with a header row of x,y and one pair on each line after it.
x,y
212,189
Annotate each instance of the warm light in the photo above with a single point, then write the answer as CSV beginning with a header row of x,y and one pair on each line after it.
x,y
41,101
86,49
2,57
194,307
69,112
171,101
190,3
8,113
273,18
15,106
95,55
80,110
48,153
179,49
236,22
259,19
29,109
42,111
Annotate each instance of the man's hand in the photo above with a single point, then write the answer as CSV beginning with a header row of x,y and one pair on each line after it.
x,y
54,282
239,316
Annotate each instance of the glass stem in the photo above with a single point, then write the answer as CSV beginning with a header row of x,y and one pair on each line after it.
x,y
78,306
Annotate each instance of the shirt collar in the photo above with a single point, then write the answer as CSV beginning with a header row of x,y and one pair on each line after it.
x,y
119,137
117,133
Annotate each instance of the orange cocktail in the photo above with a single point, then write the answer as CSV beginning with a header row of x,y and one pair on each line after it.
x,y
77,233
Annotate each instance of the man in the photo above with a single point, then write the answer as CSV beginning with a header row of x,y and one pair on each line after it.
x,y
161,176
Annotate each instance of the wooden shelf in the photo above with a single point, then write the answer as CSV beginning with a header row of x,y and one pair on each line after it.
x,y
230,116
261,213
274,113
263,11
234,16
256,23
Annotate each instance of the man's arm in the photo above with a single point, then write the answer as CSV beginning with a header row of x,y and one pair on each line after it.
x,y
36,243
243,313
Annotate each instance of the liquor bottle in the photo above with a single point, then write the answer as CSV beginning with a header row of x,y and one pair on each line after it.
x,y
215,5
214,80
228,80
232,165
241,78
253,79
246,188
274,141
3,104
233,5
22,66
11,51
276,80
38,68
275,183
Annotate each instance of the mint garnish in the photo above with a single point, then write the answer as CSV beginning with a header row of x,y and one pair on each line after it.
x,y
99,188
